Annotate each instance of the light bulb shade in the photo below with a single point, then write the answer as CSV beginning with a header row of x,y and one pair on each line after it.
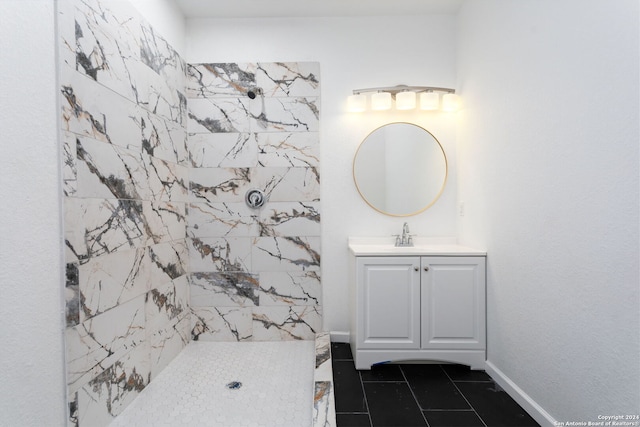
x,y
357,103
405,100
381,101
429,101
450,102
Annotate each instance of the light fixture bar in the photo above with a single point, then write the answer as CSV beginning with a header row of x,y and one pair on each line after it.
x,y
404,97
393,90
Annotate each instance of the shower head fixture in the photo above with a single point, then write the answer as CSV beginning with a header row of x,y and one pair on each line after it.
x,y
253,92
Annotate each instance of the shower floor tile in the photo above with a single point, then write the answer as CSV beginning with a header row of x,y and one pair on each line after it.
x,y
276,384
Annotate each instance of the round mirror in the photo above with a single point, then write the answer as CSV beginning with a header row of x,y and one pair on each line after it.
x,y
400,169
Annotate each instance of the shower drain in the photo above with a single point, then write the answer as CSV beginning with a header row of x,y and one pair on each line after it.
x,y
234,385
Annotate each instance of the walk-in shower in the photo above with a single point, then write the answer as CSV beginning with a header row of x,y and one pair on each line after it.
x,y
161,248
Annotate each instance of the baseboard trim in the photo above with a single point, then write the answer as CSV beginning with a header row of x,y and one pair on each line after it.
x,y
536,411
340,336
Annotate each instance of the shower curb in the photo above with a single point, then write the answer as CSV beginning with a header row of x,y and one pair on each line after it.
x,y
324,409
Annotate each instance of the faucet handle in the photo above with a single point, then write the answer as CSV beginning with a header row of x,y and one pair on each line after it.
x,y
398,241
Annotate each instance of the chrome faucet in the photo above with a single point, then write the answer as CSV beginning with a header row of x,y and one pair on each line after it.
x,y
405,239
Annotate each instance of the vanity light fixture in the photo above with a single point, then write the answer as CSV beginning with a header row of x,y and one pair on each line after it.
x,y
429,101
381,101
357,103
405,98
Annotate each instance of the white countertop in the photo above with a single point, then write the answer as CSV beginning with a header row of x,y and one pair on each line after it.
x,y
432,246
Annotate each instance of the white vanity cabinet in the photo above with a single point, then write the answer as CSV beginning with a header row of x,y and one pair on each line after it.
x,y
427,306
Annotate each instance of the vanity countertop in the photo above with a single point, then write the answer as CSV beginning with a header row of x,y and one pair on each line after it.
x,y
430,246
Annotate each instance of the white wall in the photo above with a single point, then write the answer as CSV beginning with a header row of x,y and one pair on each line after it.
x,y
32,390
548,156
353,53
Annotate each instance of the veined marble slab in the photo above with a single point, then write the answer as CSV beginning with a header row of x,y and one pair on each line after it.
x,y
223,150
225,289
108,394
286,253
218,254
276,79
278,323
222,219
221,324
288,149
290,288
324,411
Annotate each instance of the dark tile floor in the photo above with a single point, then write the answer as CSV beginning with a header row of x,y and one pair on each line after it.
x,y
420,395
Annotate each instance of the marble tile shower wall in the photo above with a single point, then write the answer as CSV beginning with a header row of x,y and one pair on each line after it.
x,y
255,272
125,181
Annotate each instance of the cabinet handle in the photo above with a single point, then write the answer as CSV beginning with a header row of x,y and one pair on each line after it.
x,y
426,269
415,269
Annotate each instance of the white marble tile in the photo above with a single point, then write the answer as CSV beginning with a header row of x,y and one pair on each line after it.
x,y
290,288
163,98
290,219
161,57
72,295
220,79
167,181
226,219
323,371
285,114
287,184
224,289
168,261
324,409
166,343
286,323
220,184
69,165
288,149
165,303
94,227
278,79
90,109
218,115
107,45
164,139
217,254
97,343
112,390
164,221
224,150
324,413
221,324
66,33
286,254
112,279
107,171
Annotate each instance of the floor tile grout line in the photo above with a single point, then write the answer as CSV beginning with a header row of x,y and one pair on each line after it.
x,y
364,394
463,396
415,398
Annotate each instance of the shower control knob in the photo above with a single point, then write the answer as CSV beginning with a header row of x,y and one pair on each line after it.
x,y
255,198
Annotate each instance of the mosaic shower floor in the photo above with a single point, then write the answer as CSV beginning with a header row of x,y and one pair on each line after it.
x,y
196,388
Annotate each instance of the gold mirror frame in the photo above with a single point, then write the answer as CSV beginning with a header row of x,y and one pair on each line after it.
x,y
428,203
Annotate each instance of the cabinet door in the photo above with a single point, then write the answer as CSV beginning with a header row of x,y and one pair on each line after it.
x,y
388,302
453,303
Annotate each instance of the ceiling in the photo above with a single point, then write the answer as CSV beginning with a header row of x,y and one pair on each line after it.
x,y
313,8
